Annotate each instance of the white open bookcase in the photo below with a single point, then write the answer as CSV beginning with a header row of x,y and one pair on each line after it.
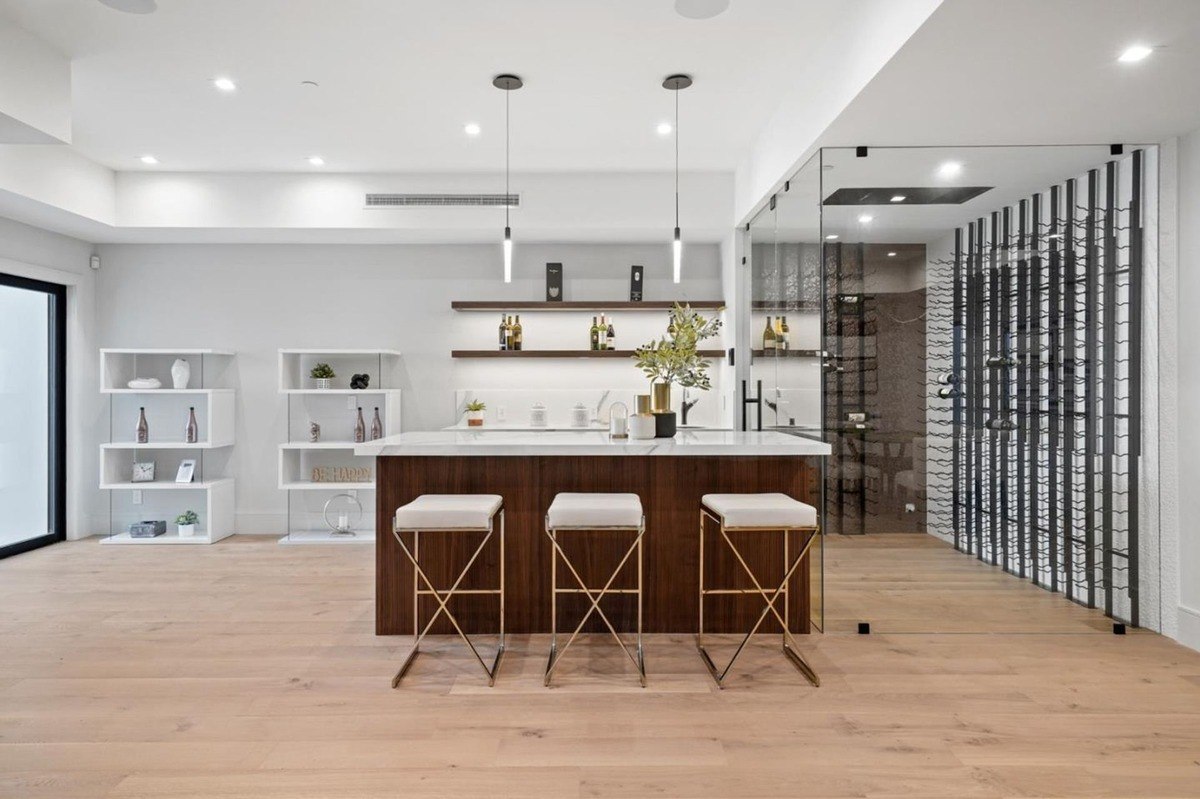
x,y
211,492
335,410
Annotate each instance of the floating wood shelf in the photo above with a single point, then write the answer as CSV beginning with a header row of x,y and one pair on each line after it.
x,y
584,305
561,354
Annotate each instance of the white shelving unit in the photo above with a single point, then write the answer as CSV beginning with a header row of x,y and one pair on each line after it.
x,y
335,410
211,493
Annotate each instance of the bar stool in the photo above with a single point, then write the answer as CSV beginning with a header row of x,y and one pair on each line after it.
x,y
758,513
594,512
455,514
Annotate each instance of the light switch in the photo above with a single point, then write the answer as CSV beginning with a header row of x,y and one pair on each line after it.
x,y
351,402
137,497
501,413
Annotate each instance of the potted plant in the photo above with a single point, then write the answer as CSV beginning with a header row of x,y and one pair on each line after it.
x,y
323,374
187,523
475,409
674,358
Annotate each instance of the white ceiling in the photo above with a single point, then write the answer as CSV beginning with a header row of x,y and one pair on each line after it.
x,y
399,78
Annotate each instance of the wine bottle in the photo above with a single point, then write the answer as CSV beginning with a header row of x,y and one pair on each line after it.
x,y
518,334
785,333
769,336
503,333
595,334
191,432
949,392
948,378
142,432
671,325
376,426
360,428
611,336
508,335
603,333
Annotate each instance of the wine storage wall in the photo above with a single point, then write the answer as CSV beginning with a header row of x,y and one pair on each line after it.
x,y
1034,366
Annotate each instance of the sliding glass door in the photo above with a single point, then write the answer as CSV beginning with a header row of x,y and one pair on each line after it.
x,y
32,414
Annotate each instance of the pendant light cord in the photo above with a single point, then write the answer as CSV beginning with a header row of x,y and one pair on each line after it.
x,y
676,157
507,136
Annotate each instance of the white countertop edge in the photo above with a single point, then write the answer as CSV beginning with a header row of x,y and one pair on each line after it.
x,y
700,443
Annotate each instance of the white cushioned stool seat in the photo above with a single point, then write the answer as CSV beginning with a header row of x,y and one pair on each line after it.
x,y
595,510
448,512
761,510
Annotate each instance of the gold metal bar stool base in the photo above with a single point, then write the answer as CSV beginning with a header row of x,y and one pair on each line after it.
x,y
788,643
594,597
443,597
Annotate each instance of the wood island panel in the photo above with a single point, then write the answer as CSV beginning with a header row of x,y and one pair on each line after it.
x,y
670,488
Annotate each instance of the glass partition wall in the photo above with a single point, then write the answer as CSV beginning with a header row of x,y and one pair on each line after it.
x,y
964,327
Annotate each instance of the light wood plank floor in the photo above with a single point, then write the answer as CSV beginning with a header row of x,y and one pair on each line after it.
x,y
247,669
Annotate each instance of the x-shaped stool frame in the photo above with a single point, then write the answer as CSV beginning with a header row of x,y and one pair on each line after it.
x,y
790,647
556,655
443,597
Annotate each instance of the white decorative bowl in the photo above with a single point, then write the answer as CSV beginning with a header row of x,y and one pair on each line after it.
x,y
144,383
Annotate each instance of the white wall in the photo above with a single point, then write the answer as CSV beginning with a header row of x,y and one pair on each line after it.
x,y
1188,440
37,254
255,299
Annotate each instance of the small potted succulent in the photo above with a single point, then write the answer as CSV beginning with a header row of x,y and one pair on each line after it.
x,y
475,409
323,374
187,522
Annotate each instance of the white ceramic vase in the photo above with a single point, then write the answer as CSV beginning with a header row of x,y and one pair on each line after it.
x,y
187,530
181,372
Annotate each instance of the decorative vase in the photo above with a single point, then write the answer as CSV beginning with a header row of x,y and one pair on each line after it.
x,y
187,530
661,397
474,418
664,424
324,383
181,372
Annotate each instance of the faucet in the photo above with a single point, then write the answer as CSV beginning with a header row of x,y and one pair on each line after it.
x,y
686,406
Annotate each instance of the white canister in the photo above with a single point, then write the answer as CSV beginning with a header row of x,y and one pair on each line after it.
x,y
642,426
537,415
580,416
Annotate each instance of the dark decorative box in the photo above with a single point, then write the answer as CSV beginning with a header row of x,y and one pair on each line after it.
x,y
148,529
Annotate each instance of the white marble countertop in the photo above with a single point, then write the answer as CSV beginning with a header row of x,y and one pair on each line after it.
x,y
507,427
591,442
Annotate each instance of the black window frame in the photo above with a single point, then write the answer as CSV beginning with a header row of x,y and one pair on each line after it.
x,y
57,394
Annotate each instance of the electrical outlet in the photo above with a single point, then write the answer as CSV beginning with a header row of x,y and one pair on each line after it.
x,y
351,403
501,413
137,497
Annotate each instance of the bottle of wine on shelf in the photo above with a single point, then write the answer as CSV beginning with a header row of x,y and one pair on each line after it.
x,y
602,333
142,431
503,333
671,325
508,335
518,334
610,337
191,433
376,426
595,334
949,392
769,337
360,428
785,333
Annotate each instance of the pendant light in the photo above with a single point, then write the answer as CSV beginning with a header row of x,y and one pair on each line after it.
x,y
677,83
508,83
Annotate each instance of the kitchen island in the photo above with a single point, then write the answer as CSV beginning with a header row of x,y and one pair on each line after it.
x,y
528,469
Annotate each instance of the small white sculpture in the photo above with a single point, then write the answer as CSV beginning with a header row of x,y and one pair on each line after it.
x,y
181,372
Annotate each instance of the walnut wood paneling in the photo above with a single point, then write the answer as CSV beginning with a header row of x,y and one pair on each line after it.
x,y
670,489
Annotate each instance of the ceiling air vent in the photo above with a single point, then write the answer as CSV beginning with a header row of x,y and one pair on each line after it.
x,y
443,200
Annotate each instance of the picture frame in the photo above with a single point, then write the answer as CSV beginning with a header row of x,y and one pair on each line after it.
x,y
187,471
142,472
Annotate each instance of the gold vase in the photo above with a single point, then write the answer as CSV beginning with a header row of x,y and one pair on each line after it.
x,y
662,397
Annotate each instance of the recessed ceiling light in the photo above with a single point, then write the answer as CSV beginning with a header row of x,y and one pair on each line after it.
x,y
700,9
132,6
149,159
316,160
831,237
1135,53
949,169
472,129
898,198
891,255
865,219
225,84
663,129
